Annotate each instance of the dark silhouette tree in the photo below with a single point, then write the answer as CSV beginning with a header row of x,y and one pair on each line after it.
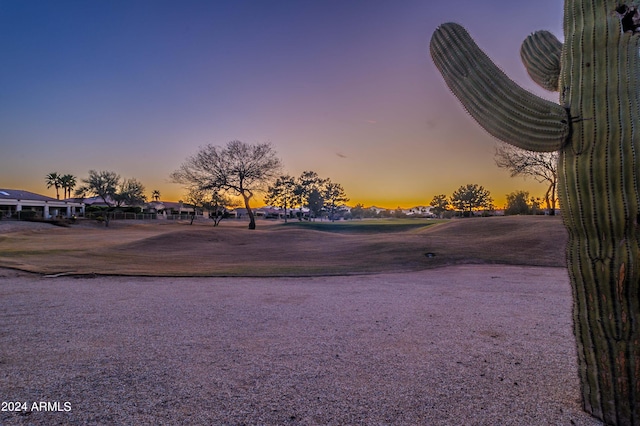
x,y
53,179
471,196
219,206
307,183
240,168
130,193
358,211
541,166
316,203
439,204
197,198
334,195
113,191
282,194
68,183
517,203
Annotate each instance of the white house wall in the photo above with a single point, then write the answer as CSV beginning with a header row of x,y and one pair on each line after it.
x,y
49,208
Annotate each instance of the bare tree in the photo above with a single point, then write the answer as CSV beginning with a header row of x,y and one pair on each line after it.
x,y
214,202
240,168
197,198
219,206
542,166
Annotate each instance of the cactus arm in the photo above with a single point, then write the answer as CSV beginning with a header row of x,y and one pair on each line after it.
x,y
541,55
598,178
499,105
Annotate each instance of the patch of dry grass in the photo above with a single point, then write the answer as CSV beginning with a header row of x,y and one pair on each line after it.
x,y
178,249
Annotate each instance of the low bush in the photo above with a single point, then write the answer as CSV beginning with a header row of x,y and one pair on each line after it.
x,y
26,215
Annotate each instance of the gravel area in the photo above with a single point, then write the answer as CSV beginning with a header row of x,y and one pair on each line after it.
x,y
464,345
7,226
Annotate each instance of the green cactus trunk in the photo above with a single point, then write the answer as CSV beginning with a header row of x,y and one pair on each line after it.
x,y
596,127
599,195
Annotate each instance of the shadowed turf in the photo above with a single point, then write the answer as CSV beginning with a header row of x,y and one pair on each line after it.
x,y
278,249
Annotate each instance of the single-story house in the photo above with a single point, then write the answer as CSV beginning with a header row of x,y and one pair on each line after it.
x,y
97,201
269,212
170,208
13,201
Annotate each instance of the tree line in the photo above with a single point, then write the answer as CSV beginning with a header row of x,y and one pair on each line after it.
x,y
472,197
465,199
65,182
541,166
318,195
244,170
108,186
215,173
209,175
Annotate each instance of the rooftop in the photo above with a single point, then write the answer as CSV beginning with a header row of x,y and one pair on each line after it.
x,y
17,194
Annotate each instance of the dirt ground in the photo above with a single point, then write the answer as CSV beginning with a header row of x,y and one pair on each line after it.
x,y
460,345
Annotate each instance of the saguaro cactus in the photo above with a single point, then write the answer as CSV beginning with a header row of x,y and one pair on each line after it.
x,y
596,128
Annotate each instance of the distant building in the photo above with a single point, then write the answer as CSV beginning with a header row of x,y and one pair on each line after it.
x,y
97,201
170,207
420,211
270,212
13,201
377,210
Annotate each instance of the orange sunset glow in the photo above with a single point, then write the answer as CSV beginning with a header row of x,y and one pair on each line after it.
x,y
346,89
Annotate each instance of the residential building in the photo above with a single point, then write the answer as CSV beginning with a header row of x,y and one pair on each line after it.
x,y
13,201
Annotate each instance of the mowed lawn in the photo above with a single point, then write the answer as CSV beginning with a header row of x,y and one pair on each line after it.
x,y
161,248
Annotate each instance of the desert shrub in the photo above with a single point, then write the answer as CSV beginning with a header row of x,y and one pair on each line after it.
x,y
93,211
448,214
518,203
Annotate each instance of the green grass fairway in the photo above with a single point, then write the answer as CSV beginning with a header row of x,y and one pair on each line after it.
x,y
278,249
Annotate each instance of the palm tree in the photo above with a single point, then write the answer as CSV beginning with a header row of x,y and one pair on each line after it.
x,y
155,194
53,179
68,182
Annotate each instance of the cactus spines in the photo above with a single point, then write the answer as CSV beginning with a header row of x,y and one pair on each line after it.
x,y
503,108
599,181
540,53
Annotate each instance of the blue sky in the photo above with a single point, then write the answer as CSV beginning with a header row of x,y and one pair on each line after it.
x,y
343,88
